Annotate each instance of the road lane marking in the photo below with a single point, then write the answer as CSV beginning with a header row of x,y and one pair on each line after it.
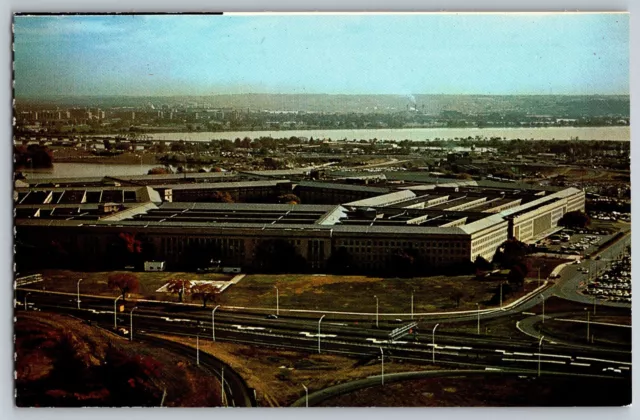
x,y
604,360
557,362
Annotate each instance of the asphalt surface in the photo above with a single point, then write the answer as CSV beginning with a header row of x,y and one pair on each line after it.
x,y
361,342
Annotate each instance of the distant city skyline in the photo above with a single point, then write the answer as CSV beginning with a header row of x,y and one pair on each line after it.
x,y
400,54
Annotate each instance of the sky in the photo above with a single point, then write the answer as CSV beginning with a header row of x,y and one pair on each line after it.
x,y
156,55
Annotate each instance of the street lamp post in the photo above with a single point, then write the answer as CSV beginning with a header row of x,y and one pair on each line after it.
x,y
478,306
213,323
78,294
224,397
539,350
382,364
198,350
115,313
306,392
131,323
501,294
588,327
319,322
542,297
433,344
595,300
412,304
25,301
277,301
376,310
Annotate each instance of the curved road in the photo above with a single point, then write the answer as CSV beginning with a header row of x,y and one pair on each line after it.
x,y
348,387
236,391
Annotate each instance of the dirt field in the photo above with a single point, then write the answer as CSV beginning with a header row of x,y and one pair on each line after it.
x,y
490,391
278,375
95,283
62,361
356,293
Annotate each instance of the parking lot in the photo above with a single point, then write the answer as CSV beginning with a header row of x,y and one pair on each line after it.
x,y
614,283
573,243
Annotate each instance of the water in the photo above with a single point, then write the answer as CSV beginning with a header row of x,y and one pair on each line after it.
x,y
620,133
69,170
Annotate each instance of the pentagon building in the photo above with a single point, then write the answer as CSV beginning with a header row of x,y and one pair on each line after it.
x,y
173,216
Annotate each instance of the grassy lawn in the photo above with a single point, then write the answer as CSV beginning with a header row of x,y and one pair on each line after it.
x,y
356,293
95,283
600,334
504,327
277,374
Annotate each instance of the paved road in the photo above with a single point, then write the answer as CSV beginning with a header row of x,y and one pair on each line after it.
x,y
571,278
236,391
324,394
461,350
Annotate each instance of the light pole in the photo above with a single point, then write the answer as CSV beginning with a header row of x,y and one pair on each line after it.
x,y
198,349
542,297
376,310
319,322
306,392
412,303
382,365
25,301
501,294
78,294
595,300
224,397
213,323
433,344
588,326
131,323
478,306
539,350
115,313
277,301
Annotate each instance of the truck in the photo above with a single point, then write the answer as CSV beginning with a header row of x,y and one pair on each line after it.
x,y
231,269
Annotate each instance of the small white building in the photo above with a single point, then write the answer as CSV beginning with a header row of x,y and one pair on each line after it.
x,y
154,266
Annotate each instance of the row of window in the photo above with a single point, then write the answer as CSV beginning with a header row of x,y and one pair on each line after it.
x,y
403,244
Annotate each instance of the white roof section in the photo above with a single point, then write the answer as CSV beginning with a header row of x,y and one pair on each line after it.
x,y
383,200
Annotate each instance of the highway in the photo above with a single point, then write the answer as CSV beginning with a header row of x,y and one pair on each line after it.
x,y
361,340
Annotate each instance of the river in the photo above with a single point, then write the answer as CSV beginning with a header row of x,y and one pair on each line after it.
x,y
620,133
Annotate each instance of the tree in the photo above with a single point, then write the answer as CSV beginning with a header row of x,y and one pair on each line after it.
x,y
575,219
289,199
518,273
179,287
510,252
205,292
482,264
218,197
124,282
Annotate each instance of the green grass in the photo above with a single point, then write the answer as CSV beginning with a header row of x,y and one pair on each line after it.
x,y
95,283
356,293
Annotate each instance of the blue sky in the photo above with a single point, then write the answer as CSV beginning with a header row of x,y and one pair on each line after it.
x,y
350,54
